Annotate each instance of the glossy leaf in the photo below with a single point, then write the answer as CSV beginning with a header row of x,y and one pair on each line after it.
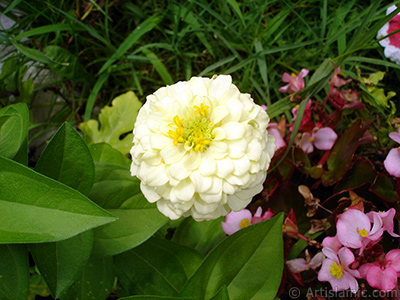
x,y
37,209
67,159
60,263
103,152
116,190
154,297
222,294
156,267
383,188
14,272
360,173
95,282
241,262
201,236
343,152
117,123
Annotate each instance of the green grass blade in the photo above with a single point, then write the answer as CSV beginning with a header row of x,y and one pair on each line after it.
x,y
11,6
93,94
236,9
135,35
159,66
43,30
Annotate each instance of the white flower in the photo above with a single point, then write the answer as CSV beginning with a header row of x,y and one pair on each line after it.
x,y
392,43
201,148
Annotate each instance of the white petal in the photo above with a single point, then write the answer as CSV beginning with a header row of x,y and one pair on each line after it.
x,y
178,171
237,204
208,165
171,154
233,130
149,193
192,160
242,166
159,142
218,150
201,183
218,113
254,150
224,167
184,191
220,85
172,213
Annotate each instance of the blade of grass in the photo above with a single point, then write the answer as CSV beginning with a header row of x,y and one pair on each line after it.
x,y
43,30
236,9
159,66
133,37
93,94
11,6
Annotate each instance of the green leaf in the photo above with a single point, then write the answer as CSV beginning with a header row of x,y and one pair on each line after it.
x,y
67,159
132,38
159,66
33,54
156,267
14,272
65,64
95,283
116,122
14,121
222,294
43,30
38,209
60,263
103,152
249,262
116,190
201,236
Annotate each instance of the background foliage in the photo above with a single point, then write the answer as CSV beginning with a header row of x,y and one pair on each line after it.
x,y
83,68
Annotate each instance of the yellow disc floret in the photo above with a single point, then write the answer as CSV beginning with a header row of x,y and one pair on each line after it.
x,y
336,270
363,232
244,223
196,133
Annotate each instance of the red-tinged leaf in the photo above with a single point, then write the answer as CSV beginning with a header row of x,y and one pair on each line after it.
x,y
342,153
384,188
360,173
285,169
302,162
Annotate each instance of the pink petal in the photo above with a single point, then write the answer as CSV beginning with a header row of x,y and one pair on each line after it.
x,y
279,141
393,257
346,258
305,143
395,136
364,270
392,162
317,260
284,88
325,138
332,242
233,219
297,265
303,73
385,280
387,220
349,225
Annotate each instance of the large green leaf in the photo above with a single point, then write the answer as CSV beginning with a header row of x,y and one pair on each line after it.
x,y
95,283
37,209
67,159
103,152
115,190
117,123
60,263
156,267
14,121
14,272
249,262
201,236
222,294
154,297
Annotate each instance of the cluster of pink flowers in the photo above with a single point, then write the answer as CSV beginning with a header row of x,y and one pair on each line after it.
x,y
345,260
236,220
392,161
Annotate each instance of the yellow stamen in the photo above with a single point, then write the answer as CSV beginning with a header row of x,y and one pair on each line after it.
x,y
202,110
363,232
398,148
293,75
312,139
244,223
336,270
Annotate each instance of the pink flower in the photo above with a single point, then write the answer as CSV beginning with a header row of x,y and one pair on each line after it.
x,y
335,269
383,275
392,43
392,161
386,219
321,138
296,81
333,243
257,216
300,264
273,129
354,229
236,220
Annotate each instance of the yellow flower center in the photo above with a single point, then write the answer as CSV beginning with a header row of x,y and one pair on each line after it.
x,y
336,270
196,132
363,232
293,75
398,149
244,223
